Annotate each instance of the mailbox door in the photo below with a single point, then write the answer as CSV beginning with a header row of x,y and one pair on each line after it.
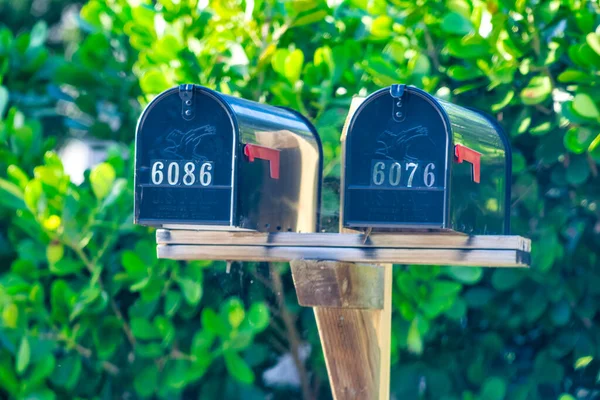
x,y
280,168
480,186
185,167
396,161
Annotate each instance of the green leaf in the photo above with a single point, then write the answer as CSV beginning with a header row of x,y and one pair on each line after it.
x,y
165,328
578,139
234,310
293,65
10,315
593,40
238,368
462,73
146,381
445,288
42,369
67,372
172,303
504,101
455,23
54,252
153,289
66,266
102,178
310,17
494,388
202,342
584,106
537,91
381,27
413,339
108,336
23,356
382,72
573,75
212,322
149,350
11,195
541,129
143,329
192,291
153,81
239,340
468,275
3,101
594,149
258,316
141,284
8,379
583,362
566,396
278,60
133,264
38,35
518,162
470,46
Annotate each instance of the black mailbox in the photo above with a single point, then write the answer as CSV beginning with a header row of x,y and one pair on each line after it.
x,y
413,161
212,161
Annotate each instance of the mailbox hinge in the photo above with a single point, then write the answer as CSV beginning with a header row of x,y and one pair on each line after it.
x,y
186,94
397,91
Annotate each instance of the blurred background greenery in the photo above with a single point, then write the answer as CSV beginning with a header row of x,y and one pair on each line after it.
x,y
88,312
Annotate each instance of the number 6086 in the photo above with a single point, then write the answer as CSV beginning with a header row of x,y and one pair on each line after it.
x,y
186,173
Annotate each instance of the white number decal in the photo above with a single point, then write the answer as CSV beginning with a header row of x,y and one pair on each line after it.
x,y
395,173
173,173
393,178
205,174
412,174
189,178
157,175
428,176
378,175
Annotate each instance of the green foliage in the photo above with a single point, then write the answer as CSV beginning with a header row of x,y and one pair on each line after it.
x,y
87,311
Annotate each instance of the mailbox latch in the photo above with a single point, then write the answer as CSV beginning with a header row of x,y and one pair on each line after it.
x,y
186,94
398,113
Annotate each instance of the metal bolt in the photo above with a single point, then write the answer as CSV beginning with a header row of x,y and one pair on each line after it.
x,y
188,102
399,103
398,114
188,112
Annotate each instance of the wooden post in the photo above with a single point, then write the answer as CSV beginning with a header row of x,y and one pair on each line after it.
x,y
356,334
352,305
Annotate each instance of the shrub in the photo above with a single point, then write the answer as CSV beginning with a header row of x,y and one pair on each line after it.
x,y
88,311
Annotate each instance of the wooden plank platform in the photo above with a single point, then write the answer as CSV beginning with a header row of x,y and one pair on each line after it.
x,y
405,248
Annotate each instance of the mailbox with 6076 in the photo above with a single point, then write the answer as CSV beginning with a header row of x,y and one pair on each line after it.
x,y
424,181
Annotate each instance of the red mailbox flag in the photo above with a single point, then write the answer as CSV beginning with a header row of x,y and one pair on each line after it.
x,y
253,151
464,153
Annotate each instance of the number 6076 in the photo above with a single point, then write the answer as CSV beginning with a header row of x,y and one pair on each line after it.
x,y
408,174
